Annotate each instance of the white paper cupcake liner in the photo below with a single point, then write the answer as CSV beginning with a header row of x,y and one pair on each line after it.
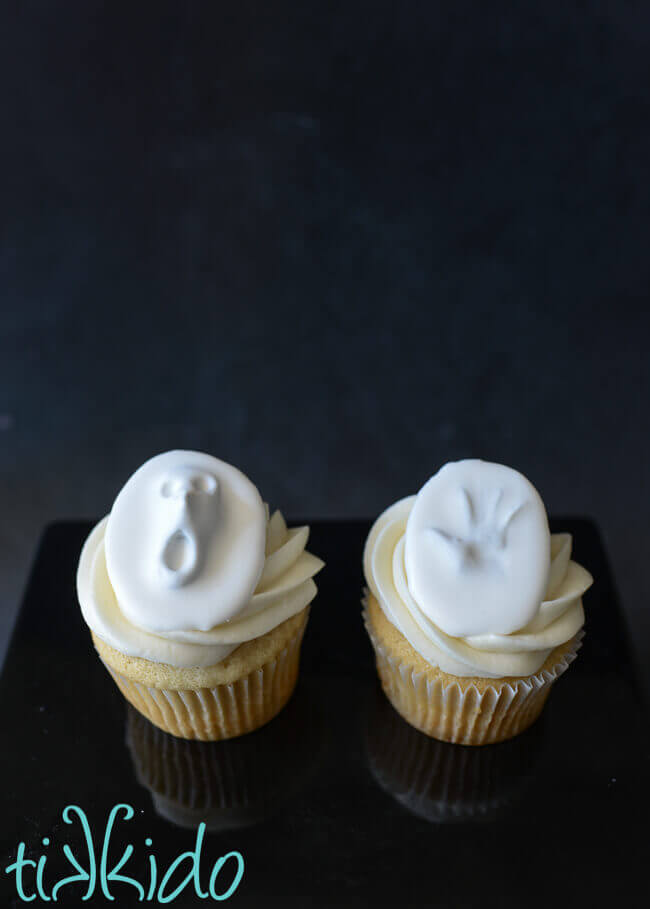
x,y
450,709
223,711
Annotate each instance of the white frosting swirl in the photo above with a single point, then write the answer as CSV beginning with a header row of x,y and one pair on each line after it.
x,y
557,619
198,580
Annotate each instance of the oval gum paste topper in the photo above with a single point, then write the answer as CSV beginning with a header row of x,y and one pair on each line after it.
x,y
478,549
185,542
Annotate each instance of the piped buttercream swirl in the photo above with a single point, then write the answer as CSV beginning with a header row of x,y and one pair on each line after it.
x,y
284,589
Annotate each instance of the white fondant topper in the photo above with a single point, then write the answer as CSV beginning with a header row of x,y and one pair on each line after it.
x,y
477,549
185,542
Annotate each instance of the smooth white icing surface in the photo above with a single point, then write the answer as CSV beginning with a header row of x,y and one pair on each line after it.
x,y
558,615
185,520
478,549
280,568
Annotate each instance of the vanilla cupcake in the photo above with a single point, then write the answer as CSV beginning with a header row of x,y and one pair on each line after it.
x,y
474,609
196,600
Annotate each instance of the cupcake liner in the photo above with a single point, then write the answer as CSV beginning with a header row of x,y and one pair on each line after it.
x,y
440,782
223,711
448,710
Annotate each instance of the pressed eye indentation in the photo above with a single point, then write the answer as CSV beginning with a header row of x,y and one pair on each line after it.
x,y
167,489
193,483
203,483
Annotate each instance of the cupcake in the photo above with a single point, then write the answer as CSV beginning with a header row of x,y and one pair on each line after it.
x,y
196,599
473,608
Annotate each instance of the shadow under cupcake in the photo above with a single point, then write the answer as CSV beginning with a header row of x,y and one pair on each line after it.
x,y
442,782
229,784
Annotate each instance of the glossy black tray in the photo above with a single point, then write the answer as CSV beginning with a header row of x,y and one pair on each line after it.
x,y
337,802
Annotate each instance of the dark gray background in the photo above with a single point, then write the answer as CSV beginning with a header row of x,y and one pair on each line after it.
x,y
337,244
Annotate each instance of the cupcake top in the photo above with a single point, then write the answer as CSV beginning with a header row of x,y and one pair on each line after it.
x,y
188,564
469,573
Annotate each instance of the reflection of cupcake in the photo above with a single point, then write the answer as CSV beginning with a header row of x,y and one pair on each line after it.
x,y
196,600
441,782
474,610
232,783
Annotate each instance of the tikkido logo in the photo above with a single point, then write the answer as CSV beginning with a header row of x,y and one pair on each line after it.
x,y
97,878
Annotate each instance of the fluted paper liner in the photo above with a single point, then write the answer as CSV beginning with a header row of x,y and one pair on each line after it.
x,y
223,711
447,709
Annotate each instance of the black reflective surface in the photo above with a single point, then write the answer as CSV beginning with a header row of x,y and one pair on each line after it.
x,y
337,802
